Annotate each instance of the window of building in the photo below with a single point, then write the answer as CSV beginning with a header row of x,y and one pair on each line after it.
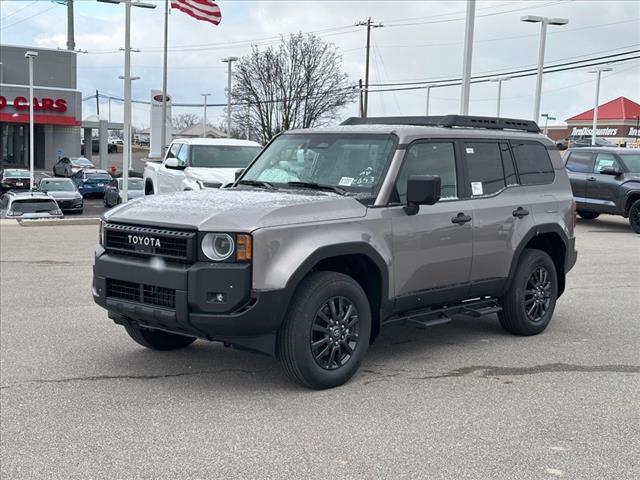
x,y
580,162
484,163
533,163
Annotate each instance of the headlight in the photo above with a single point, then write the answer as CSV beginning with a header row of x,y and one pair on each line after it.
x,y
218,246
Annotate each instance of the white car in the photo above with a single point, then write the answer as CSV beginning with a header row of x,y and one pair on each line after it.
x,y
198,163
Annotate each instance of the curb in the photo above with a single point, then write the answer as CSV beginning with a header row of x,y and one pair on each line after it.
x,y
60,222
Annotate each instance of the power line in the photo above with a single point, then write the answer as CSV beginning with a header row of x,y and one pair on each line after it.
x,y
29,17
18,11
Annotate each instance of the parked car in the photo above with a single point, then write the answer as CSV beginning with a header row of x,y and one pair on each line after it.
x,y
65,191
95,146
14,179
194,164
576,141
113,191
68,166
606,180
116,141
92,182
26,205
332,233
143,142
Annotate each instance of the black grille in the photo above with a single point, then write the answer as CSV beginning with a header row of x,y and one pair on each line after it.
x,y
146,241
139,293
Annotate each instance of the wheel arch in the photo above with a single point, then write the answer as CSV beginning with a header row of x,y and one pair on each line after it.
x,y
631,198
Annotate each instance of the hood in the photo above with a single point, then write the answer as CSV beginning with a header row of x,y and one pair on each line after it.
x,y
216,175
236,210
64,195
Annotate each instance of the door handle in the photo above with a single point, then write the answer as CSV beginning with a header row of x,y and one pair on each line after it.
x,y
520,212
461,219
592,179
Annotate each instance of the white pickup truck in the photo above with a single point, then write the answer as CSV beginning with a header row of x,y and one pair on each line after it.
x,y
197,163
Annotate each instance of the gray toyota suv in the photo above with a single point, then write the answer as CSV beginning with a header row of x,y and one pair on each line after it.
x,y
332,233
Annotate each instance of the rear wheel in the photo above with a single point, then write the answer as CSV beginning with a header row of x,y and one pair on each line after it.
x,y
588,215
157,339
529,303
634,216
326,332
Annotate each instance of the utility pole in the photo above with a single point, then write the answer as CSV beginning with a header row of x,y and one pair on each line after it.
x,y
547,117
428,98
71,42
204,123
598,71
499,80
360,105
97,104
466,60
229,61
369,24
163,132
30,55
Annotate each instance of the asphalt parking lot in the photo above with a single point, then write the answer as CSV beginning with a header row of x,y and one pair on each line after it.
x,y
464,400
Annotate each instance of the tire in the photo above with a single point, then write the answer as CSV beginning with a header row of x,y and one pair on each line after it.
x,y
148,188
634,216
158,340
524,294
588,215
303,325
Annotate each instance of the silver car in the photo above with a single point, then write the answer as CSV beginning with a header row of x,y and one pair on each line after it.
x,y
65,191
29,205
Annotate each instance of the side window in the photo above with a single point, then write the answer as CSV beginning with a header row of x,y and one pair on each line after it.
x,y
605,160
510,176
484,163
183,155
114,183
432,158
580,162
533,163
173,151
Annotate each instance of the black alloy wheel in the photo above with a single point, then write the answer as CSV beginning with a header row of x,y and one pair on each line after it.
x,y
634,216
537,294
335,332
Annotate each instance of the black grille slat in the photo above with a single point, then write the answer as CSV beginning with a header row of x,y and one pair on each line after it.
x,y
164,297
124,290
174,245
140,293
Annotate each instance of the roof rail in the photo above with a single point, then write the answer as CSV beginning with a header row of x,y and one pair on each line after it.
x,y
492,123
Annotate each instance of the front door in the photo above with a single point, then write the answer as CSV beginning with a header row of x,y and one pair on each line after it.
x,y
170,178
433,249
601,188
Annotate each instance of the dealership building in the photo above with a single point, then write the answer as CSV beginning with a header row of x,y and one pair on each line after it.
x,y
618,122
57,107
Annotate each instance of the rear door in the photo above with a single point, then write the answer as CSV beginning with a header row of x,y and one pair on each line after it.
x,y
602,189
579,167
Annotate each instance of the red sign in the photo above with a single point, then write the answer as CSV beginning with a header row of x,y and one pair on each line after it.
x,y
58,105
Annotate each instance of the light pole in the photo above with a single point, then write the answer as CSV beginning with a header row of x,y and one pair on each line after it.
x,y
499,80
30,55
204,123
428,98
229,61
598,71
126,155
466,61
544,21
546,117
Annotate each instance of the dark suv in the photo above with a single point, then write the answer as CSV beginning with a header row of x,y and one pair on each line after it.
x,y
332,233
605,180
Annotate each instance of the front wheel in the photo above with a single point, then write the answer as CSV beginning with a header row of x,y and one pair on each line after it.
x,y
588,215
634,216
529,303
157,339
326,331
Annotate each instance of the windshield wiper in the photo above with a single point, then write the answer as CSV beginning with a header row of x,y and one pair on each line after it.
x,y
257,183
318,186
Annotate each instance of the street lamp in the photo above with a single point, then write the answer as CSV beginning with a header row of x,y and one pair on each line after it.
x,y
428,97
500,80
204,124
126,157
544,21
30,55
229,61
546,117
598,71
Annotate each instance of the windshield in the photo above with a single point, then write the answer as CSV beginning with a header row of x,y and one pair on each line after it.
x,y
16,174
33,205
81,161
352,161
222,156
134,184
57,186
632,161
98,176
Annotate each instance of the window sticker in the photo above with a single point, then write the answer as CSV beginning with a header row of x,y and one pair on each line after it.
x,y
476,188
470,150
346,181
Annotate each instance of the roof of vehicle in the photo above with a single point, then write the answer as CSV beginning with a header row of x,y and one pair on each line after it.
x,y
56,180
15,170
619,150
217,141
21,195
94,170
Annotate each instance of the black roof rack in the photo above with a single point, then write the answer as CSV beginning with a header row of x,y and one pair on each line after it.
x,y
492,123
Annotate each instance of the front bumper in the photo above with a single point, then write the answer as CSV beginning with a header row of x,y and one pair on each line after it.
x,y
183,299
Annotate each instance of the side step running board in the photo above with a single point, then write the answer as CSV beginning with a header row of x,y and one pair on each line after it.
x,y
438,316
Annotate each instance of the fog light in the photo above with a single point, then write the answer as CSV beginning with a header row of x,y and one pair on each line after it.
x,y
216,297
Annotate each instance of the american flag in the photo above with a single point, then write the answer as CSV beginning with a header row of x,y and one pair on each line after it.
x,y
206,10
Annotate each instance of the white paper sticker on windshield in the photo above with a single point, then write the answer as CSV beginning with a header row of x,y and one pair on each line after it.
x,y
470,150
476,188
346,181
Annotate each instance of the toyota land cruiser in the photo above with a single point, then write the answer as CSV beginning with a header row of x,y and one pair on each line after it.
x,y
332,233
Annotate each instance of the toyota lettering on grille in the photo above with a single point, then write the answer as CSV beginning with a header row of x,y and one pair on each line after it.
x,y
142,240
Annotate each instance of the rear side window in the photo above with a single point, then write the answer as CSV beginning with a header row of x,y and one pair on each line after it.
x,y
484,163
579,162
507,163
533,163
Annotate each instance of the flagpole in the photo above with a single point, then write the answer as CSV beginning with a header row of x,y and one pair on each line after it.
x,y
163,131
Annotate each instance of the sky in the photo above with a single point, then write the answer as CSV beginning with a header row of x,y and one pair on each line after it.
x,y
419,40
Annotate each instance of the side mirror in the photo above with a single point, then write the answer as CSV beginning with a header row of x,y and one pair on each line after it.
x,y
422,190
610,171
239,173
173,163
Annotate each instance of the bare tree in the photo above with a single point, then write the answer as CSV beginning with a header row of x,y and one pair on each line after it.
x,y
185,120
298,84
